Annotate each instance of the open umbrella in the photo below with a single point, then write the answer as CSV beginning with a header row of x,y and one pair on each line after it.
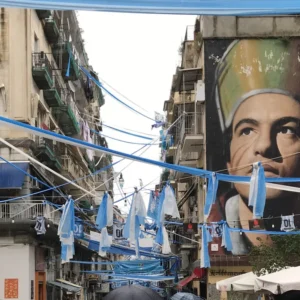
x,y
133,292
185,296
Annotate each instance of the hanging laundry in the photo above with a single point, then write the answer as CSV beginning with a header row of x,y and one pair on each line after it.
x,y
85,129
157,125
287,223
40,226
88,90
90,153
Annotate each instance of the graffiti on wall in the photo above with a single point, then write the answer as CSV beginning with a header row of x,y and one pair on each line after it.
x,y
253,114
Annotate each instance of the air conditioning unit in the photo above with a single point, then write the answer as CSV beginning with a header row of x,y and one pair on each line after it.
x,y
200,91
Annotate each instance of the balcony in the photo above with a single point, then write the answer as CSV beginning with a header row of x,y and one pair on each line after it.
x,y
101,183
91,163
42,71
51,30
97,91
165,175
190,134
188,159
68,117
65,52
26,212
46,153
184,241
184,97
43,14
99,95
55,95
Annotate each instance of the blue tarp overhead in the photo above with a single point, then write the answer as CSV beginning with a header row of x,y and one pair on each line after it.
x,y
188,7
139,266
11,177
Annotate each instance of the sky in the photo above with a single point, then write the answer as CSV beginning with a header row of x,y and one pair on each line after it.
x,y
137,55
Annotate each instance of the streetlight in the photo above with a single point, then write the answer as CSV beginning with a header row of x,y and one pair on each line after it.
x,y
121,181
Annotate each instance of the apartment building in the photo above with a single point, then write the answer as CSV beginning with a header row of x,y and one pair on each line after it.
x,y
186,109
224,61
41,84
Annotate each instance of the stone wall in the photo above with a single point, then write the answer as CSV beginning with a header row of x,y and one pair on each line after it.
x,y
228,27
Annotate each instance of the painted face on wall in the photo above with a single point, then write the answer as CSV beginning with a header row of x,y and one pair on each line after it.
x,y
266,128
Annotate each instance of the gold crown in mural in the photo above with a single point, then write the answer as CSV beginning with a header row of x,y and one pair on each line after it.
x,y
257,66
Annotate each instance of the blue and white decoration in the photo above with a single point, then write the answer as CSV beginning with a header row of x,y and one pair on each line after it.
x,y
206,238
135,219
153,205
65,231
226,239
105,212
105,219
211,194
257,193
167,206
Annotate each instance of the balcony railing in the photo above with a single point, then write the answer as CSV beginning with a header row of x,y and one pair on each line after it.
x,y
47,152
68,116
28,210
42,71
189,124
56,95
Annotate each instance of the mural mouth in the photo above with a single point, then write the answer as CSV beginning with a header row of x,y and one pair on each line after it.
x,y
270,171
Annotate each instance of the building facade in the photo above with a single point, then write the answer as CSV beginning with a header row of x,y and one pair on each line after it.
x,y
227,63
41,52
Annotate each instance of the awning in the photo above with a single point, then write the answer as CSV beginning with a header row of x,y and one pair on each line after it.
x,y
280,282
239,283
198,273
12,177
66,285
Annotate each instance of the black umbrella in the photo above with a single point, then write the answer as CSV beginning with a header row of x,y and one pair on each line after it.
x,y
133,292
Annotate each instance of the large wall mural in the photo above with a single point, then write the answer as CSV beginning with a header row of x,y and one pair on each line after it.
x,y
253,114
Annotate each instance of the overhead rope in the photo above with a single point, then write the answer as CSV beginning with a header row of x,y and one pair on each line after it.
x,y
115,139
270,182
87,73
125,132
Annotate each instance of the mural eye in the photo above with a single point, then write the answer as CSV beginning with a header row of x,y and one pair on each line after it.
x,y
246,131
287,130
